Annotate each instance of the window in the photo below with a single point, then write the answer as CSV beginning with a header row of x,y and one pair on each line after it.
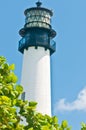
x,y
23,96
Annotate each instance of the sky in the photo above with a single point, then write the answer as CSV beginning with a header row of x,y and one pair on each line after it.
x,y
69,60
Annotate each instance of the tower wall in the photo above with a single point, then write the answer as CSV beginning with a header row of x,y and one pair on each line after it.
x,y
37,45
36,78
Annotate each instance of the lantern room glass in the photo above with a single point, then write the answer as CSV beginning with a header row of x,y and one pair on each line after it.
x,y
38,18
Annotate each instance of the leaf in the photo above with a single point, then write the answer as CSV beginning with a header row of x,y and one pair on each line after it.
x,y
19,88
5,90
32,104
14,78
14,102
30,129
69,128
11,78
3,127
13,94
55,120
12,67
45,128
5,98
2,60
10,87
64,124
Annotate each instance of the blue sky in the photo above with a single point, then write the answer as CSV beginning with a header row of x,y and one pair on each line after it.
x,y
68,62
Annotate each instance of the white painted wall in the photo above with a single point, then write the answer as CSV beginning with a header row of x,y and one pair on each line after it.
x,y
36,78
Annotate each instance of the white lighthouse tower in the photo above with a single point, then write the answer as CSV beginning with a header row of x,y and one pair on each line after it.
x,y
37,46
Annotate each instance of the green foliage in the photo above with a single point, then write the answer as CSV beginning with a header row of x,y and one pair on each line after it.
x,y
9,93
14,110
83,126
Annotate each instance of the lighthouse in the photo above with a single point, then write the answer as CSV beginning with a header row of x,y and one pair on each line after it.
x,y
37,46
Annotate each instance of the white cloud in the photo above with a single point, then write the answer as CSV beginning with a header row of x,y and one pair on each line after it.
x,y
78,104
